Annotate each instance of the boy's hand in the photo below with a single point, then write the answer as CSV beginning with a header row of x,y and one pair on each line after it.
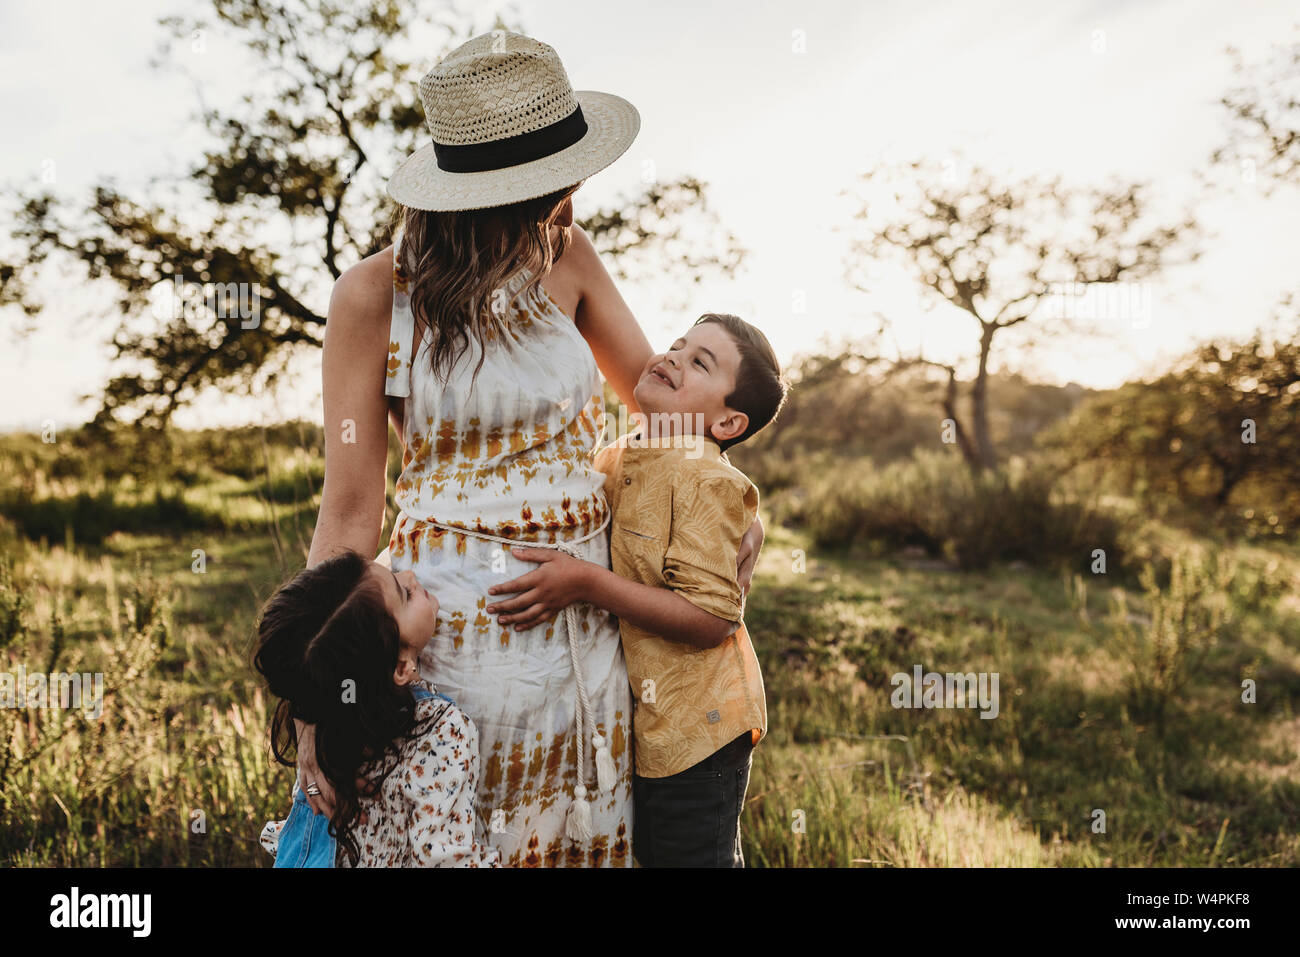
x,y
558,581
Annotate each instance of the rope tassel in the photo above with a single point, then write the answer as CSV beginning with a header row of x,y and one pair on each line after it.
x,y
577,822
605,773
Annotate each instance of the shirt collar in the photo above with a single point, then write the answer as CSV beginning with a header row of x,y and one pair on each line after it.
x,y
708,446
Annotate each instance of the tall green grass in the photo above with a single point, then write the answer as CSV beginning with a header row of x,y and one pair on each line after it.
x,y
174,772
1119,691
1096,713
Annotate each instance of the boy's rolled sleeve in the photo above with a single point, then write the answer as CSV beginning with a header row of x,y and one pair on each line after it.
x,y
709,519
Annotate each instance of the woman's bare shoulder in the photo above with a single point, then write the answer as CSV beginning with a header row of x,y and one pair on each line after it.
x,y
580,255
364,292
579,270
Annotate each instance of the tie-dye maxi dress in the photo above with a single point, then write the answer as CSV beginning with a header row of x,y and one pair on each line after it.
x,y
513,457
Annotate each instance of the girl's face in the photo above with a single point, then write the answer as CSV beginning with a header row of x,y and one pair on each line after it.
x,y
416,613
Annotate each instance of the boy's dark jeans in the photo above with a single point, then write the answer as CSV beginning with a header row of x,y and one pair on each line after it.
x,y
692,818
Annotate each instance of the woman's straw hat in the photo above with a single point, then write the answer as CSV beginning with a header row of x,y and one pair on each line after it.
x,y
507,127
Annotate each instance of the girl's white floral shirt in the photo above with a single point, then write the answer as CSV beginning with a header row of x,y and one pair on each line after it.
x,y
424,814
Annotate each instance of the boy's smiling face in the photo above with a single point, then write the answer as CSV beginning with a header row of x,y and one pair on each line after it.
x,y
694,376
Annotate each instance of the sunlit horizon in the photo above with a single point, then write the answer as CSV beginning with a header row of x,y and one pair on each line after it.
x,y
779,110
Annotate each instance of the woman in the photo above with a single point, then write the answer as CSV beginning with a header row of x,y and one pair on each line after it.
x,y
500,411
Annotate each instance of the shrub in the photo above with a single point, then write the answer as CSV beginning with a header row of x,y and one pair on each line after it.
x,y
1182,622
93,516
934,501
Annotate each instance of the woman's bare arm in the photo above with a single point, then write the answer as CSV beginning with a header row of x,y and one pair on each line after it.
x,y
356,411
605,321
622,350
356,415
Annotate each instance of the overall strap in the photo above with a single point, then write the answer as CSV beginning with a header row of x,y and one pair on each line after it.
x,y
401,329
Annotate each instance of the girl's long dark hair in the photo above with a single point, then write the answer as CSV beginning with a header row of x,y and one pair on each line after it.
x,y
327,646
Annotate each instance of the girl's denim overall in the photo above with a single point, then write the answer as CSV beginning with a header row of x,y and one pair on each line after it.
x,y
305,839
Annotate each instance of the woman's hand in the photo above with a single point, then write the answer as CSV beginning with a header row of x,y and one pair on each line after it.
x,y
309,773
558,581
747,557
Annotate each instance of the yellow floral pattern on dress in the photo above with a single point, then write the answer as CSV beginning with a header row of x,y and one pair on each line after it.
x,y
512,456
398,379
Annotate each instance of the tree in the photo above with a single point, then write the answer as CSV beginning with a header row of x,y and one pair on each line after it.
x,y
331,106
997,251
654,231
1221,429
1264,115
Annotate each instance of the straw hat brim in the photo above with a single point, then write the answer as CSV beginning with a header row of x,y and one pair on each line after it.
x,y
612,125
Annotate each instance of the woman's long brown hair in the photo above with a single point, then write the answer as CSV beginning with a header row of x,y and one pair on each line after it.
x,y
453,263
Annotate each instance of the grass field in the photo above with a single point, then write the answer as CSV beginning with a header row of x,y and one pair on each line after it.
x,y
1187,775
1134,710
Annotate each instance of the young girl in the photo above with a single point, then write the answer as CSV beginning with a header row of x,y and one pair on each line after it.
x,y
339,646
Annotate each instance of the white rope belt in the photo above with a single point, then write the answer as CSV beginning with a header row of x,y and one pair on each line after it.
x,y
577,824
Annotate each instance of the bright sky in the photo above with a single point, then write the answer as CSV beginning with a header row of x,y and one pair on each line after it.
x,y
778,106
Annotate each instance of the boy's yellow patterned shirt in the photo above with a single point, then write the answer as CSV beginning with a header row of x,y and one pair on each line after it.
x,y
679,510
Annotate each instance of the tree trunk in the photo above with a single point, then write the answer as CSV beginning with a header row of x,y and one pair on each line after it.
x,y
980,405
1230,478
968,452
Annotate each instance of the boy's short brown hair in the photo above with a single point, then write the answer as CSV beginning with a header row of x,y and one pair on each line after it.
x,y
760,390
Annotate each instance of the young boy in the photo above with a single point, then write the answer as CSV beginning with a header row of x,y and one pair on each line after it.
x,y
679,510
